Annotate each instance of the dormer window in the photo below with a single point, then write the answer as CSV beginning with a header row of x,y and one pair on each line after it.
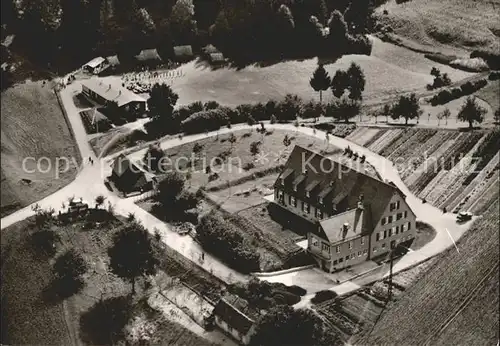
x,y
308,194
321,200
295,188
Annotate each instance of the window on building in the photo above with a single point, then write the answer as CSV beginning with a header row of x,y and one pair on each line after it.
x,y
365,251
362,240
325,247
409,225
308,194
347,258
385,234
337,248
335,262
389,219
319,214
398,205
341,260
399,216
397,229
350,245
406,214
392,206
353,255
390,232
384,221
377,236
360,253
375,249
403,228
383,246
307,208
320,200
315,242
289,199
294,201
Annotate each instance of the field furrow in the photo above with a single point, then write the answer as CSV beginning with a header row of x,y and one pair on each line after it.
x,y
390,136
366,136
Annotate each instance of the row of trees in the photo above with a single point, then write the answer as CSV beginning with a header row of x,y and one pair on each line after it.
x,y
72,31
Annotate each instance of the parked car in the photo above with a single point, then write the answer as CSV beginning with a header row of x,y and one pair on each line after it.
x,y
464,216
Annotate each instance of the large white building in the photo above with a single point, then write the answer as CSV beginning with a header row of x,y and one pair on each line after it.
x,y
354,216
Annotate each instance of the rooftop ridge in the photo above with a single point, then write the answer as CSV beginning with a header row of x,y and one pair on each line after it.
x,y
343,165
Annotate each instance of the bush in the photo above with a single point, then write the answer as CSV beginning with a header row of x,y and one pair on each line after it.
x,y
492,59
322,296
467,88
205,121
494,75
218,236
297,290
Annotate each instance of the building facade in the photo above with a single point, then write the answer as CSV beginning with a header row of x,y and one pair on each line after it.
x,y
354,216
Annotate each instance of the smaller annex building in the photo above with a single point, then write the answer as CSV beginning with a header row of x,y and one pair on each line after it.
x,y
128,177
354,216
96,65
99,92
233,315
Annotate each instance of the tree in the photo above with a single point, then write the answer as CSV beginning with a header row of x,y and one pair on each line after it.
x,y
340,82
170,187
99,200
343,109
255,147
471,112
356,82
70,265
338,36
182,22
386,110
232,140
435,72
161,103
153,157
445,114
283,325
312,110
406,107
131,255
45,241
289,108
320,81
287,141
103,323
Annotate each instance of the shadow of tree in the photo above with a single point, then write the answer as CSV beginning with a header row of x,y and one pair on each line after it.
x,y
62,288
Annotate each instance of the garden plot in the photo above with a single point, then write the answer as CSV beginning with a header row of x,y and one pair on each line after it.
x,y
489,197
483,178
453,179
362,135
428,154
374,138
331,311
447,161
382,142
408,148
476,194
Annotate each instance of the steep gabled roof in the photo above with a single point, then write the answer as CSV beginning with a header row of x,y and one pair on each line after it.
x,y
235,312
357,219
95,62
122,164
349,182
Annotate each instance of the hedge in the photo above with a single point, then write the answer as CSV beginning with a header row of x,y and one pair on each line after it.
x,y
322,296
202,121
447,95
219,237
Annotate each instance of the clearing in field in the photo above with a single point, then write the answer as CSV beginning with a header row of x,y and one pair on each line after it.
x,y
389,71
460,23
33,126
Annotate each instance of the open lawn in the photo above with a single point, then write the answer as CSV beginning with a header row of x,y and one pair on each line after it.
x,y
33,126
456,278
460,23
390,70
